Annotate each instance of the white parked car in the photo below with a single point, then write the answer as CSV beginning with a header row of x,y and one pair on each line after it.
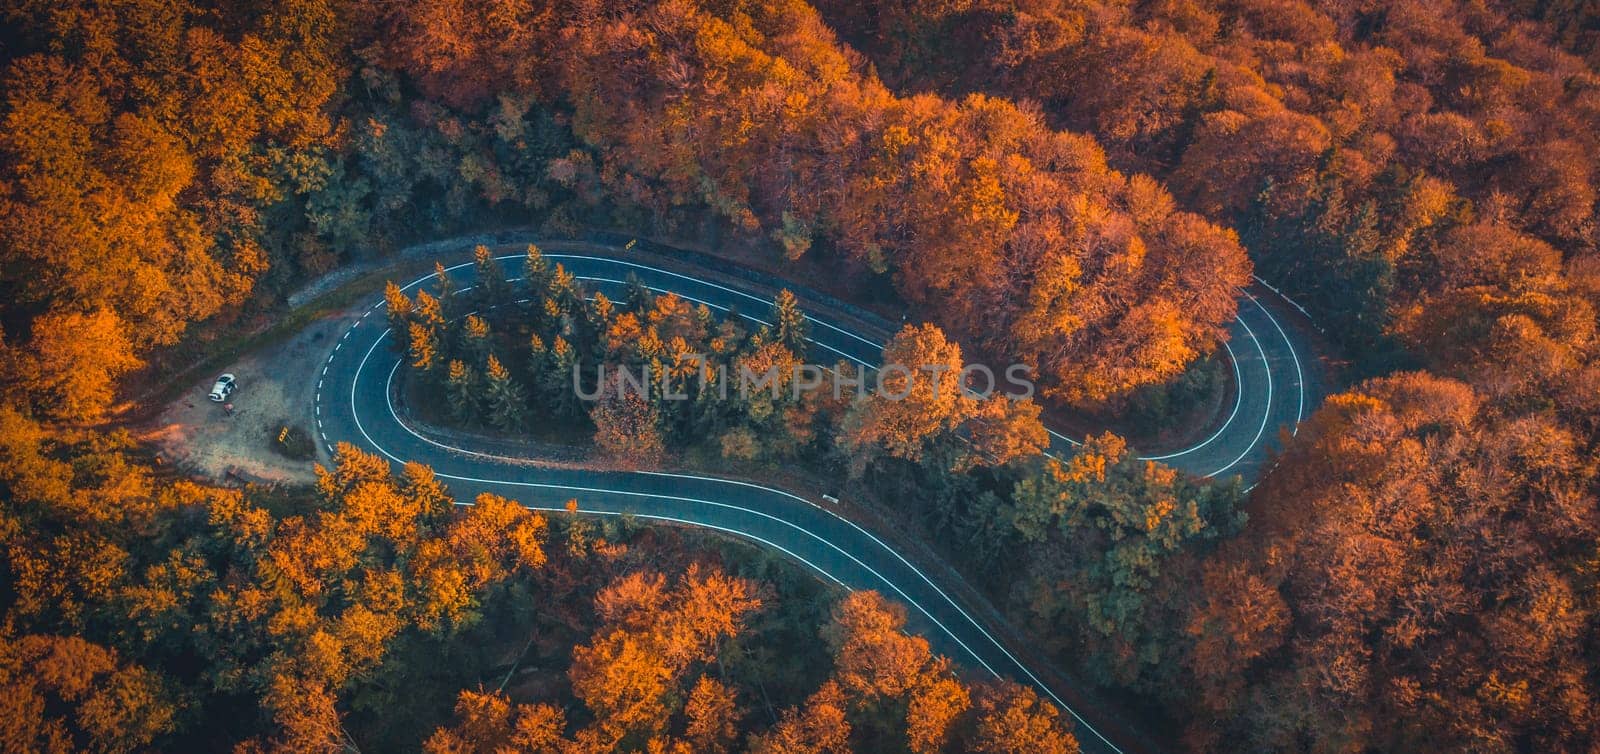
x,y
224,388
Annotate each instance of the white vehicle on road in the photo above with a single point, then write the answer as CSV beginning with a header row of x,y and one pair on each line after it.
x,y
224,388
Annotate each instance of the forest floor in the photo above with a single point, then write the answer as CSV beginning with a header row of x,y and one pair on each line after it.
x,y
277,388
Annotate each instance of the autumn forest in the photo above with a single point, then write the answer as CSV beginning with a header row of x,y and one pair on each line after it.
x,y
1092,191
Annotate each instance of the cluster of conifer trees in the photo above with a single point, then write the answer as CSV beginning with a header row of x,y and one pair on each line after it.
x,y
1418,572
1093,551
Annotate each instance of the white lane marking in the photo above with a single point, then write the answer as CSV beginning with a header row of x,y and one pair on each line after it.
x,y
628,493
686,297
864,364
964,614
1238,402
1290,301
1260,430
1174,455
1054,435
659,517
734,291
1266,415
609,260
395,417
919,573
830,326
1299,376
720,308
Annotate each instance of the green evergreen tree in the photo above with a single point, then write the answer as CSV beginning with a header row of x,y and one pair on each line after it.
x,y
556,381
649,348
563,289
536,276
428,310
461,391
423,345
428,314
445,289
730,332
590,336
474,338
491,290
705,322
789,323
600,311
538,360
398,307
639,297
536,271
505,400
554,320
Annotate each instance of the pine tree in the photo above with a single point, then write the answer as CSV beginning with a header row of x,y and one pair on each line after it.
x,y
600,312
536,271
538,359
536,275
474,338
399,309
556,381
592,332
428,310
704,320
639,297
789,322
729,335
505,400
426,334
446,290
649,346
491,289
424,346
555,320
461,390
563,289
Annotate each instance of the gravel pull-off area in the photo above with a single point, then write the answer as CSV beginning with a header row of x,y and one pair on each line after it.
x,y
277,388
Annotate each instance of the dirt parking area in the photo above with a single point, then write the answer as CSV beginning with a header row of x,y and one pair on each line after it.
x,y
277,388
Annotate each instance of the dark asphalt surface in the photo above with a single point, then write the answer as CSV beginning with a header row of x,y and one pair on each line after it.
x,y
354,405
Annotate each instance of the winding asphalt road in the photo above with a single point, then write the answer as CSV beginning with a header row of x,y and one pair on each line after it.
x,y
354,403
